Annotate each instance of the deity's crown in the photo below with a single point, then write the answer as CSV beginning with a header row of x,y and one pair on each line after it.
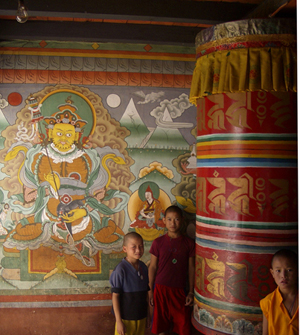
x,y
66,115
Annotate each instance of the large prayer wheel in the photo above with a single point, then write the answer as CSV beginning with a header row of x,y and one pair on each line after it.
x,y
244,86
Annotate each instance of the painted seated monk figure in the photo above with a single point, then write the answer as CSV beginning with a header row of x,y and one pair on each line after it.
x,y
150,214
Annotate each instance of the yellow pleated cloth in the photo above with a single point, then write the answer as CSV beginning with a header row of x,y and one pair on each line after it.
x,y
234,65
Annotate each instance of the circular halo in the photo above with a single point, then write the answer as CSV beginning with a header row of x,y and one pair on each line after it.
x,y
154,188
85,110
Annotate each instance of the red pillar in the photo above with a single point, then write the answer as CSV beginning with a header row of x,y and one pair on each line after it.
x,y
244,86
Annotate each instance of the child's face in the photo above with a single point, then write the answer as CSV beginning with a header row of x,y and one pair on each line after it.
x,y
285,273
134,248
173,220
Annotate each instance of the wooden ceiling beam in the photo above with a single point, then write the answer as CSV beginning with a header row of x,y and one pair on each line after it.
x,y
98,32
206,12
268,8
180,20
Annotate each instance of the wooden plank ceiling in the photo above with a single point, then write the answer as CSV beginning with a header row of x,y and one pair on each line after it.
x,y
174,22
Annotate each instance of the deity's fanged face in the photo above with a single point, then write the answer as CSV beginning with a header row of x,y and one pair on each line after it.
x,y
63,136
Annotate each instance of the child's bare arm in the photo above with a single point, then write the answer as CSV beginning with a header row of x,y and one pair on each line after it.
x,y
190,297
152,273
265,326
148,322
117,310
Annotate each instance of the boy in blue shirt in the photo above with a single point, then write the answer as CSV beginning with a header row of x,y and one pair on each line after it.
x,y
129,286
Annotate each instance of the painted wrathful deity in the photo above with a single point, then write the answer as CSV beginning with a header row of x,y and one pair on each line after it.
x,y
65,182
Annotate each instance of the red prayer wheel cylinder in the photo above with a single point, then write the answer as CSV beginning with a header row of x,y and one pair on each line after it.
x,y
244,85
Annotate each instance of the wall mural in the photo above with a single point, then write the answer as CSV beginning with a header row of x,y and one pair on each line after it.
x,y
65,181
80,167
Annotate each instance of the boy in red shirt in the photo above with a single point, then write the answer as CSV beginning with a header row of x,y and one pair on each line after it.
x,y
172,261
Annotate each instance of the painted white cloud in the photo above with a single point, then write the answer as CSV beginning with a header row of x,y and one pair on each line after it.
x,y
149,98
3,102
175,108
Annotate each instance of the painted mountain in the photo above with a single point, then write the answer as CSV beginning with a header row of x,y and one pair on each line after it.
x,y
167,138
133,122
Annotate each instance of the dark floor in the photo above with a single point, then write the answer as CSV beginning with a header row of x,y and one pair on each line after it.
x,y
59,321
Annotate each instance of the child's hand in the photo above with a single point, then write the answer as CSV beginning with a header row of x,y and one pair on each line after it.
x,y
148,323
150,297
189,299
121,328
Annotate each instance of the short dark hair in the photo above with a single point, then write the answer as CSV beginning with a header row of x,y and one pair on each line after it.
x,y
130,235
287,253
174,209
